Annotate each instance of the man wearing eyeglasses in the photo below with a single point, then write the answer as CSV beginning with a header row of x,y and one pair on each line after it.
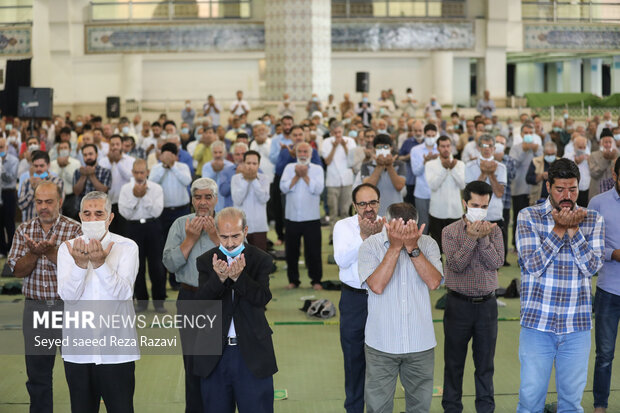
x,y
349,233
386,173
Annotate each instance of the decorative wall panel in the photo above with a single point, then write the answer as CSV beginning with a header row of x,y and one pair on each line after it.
x,y
16,41
571,37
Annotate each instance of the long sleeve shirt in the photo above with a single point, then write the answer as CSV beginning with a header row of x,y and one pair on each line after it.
x,y
149,206
285,158
121,174
522,163
66,173
275,148
25,200
347,242
496,205
252,197
445,185
266,166
471,265
418,152
222,178
608,205
303,199
174,182
556,273
8,172
202,155
338,172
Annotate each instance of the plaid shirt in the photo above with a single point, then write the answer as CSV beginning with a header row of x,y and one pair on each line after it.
x,y
471,265
605,185
556,273
511,171
102,174
41,283
26,197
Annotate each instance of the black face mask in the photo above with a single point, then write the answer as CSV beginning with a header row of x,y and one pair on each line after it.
x,y
91,162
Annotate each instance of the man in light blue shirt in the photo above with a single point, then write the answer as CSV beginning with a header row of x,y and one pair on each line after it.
x,y
303,182
280,141
421,154
607,299
219,169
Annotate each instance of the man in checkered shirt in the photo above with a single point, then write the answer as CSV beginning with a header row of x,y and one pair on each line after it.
x,y
560,247
33,258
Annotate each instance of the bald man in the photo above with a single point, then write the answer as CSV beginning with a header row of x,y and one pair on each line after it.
x,y
581,156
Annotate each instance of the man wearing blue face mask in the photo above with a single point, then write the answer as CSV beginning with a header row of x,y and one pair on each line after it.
x,y
474,252
420,155
237,274
39,172
537,173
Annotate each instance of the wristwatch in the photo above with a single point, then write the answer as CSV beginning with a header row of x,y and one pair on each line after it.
x,y
414,253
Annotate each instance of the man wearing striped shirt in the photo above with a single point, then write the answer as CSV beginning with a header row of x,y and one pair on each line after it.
x,y
399,266
560,248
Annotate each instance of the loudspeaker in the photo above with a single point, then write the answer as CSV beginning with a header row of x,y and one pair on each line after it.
x,y
362,82
113,107
35,102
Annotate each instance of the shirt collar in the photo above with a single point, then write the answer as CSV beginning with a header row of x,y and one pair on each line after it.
x,y
547,207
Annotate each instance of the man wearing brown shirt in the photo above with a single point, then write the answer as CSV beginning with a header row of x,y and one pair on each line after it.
x,y
474,251
33,258
601,162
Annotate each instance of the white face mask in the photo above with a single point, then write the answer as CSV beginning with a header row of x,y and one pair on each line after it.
x,y
33,148
94,229
63,153
380,152
430,141
475,214
490,158
499,148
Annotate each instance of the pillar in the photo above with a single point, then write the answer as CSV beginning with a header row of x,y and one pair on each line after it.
x,y
571,76
555,75
297,48
615,74
495,74
132,77
593,76
529,78
41,75
443,68
461,81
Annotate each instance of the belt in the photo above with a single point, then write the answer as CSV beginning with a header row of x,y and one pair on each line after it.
x,y
49,303
232,341
474,300
355,290
143,220
9,190
189,287
176,207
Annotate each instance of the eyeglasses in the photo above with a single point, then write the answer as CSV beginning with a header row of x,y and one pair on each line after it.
x,y
374,203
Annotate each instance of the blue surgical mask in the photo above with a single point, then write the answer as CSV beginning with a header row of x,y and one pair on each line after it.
x,y
365,99
9,126
566,116
42,176
125,130
549,158
617,137
557,129
352,134
528,138
233,253
382,131
79,124
185,131
267,122
2,154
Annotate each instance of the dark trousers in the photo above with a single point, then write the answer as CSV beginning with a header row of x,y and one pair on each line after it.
x,y
436,226
258,239
506,215
118,224
311,232
462,322
167,218
518,203
353,308
148,236
193,399
276,207
39,362
71,208
607,316
89,383
231,384
7,219
409,198
582,198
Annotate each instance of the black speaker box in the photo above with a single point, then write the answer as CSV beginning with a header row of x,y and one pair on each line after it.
x,y
113,107
35,102
362,82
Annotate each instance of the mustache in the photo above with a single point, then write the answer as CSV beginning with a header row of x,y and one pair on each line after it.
x,y
572,203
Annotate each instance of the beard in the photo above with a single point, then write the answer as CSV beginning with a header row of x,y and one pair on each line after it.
x,y
302,161
558,206
90,162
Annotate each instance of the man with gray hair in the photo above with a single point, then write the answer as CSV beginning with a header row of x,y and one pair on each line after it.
x,y
398,266
99,265
217,170
191,236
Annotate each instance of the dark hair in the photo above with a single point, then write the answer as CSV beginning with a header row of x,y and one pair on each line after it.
x,y
40,155
478,188
563,169
96,119
382,139
129,138
65,142
170,147
403,210
242,135
430,126
211,128
443,138
170,122
65,130
90,145
98,129
616,168
287,117
155,124
454,114
606,132
366,185
116,135
296,127
248,153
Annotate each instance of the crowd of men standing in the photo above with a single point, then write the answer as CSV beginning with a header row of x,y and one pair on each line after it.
x,y
396,192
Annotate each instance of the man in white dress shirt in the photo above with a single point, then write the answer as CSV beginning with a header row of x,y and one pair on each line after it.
x,y
302,183
339,179
141,202
581,156
349,233
120,166
99,266
419,156
65,166
250,192
262,144
239,107
446,178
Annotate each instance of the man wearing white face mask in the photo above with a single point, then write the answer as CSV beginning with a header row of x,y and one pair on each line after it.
x,y
487,169
99,265
581,157
65,166
474,252
501,156
420,155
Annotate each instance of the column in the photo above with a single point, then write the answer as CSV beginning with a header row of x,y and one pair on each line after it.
x,y
495,74
41,75
297,48
555,74
615,74
529,78
593,76
443,68
571,77
461,81
131,87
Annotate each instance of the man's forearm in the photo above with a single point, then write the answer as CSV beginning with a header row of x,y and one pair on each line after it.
x,y
25,265
380,278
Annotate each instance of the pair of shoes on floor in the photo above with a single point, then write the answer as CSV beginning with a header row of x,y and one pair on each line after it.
x,y
292,286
